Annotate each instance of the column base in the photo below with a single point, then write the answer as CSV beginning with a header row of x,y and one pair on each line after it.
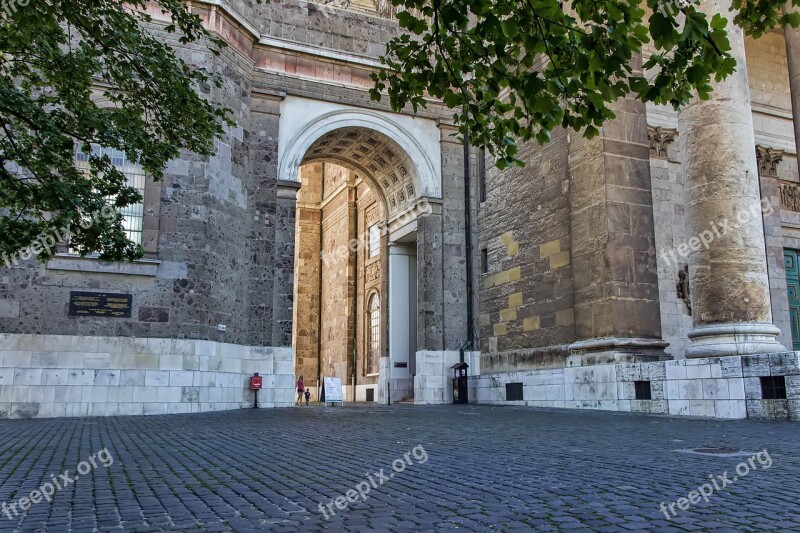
x,y
608,350
741,338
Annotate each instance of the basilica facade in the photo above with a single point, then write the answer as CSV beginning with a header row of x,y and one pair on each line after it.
x,y
653,268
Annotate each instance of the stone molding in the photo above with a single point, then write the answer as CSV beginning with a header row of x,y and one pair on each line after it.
x,y
768,159
660,138
73,263
739,338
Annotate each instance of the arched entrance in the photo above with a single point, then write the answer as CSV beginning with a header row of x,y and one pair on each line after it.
x,y
365,181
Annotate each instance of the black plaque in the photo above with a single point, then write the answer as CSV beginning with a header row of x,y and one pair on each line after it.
x,y
100,304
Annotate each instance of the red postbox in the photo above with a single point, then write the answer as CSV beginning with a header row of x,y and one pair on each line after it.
x,y
255,385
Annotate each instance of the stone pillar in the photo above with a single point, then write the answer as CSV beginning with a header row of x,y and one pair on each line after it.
x,y
402,273
729,283
308,268
793,58
615,278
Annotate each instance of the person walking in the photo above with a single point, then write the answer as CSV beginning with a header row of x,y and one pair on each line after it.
x,y
301,389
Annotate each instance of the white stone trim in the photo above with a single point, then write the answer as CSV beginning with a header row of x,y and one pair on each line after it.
x,y
74,263
303,121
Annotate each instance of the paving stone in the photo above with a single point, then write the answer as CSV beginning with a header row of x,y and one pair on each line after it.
x,y
270,470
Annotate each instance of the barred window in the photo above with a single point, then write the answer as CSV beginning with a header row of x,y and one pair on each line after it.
x,y
133,214
374,240
374,329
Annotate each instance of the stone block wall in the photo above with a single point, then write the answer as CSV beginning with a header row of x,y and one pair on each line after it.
x,y
526,294
721,387
45,376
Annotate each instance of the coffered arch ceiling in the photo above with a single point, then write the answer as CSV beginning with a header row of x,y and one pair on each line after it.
x,y
376,156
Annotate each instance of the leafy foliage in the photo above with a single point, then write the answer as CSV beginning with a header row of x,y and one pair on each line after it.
x,y
518,69
53,57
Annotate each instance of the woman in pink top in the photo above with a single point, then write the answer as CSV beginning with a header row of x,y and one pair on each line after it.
x,y
301,388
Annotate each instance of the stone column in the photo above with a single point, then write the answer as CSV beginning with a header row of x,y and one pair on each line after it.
x,y
615,278
793,57
402,271
729,283
308,268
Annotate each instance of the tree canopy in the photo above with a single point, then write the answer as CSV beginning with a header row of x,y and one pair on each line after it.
x,y
510,69
517,69
55,57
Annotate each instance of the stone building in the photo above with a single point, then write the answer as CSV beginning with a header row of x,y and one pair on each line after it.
x,y
653,268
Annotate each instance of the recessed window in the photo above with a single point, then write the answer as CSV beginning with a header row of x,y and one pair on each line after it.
x,y
374,334
133,214
773,388
513,392
484,261
644,390
482,174
374,240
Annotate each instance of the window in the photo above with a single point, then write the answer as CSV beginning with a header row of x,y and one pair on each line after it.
x,y
773,388
133,214
482,174
643,390
513,392
374,333
374,240
484,261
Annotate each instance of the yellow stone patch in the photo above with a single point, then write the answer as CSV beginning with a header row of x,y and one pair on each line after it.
x,y
500,329
507,238
507,315
501,277
559,260
515,300
514,274
513,249
549,248
531,323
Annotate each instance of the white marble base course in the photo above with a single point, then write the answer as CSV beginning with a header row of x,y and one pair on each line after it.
x,y
43,376
712,387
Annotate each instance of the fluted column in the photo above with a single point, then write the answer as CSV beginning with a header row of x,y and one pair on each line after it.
x,y
793,58
728,267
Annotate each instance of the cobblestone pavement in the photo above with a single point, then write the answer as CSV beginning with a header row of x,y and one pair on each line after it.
x,y
502,468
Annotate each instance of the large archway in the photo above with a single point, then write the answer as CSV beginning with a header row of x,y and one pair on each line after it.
x,y
355,287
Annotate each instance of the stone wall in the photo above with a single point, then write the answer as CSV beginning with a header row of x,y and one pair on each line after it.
x,y
60,375
526,295
337,274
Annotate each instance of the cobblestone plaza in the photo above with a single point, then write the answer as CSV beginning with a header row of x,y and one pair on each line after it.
x,y
484,468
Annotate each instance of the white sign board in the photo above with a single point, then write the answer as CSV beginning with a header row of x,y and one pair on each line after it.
x,y
333,390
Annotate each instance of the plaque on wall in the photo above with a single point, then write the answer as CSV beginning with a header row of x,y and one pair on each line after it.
x,y
100,304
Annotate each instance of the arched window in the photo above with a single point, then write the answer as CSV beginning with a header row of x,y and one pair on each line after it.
x,y
374,333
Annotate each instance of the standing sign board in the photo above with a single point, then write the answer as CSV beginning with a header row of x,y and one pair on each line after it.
x,y
333,391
